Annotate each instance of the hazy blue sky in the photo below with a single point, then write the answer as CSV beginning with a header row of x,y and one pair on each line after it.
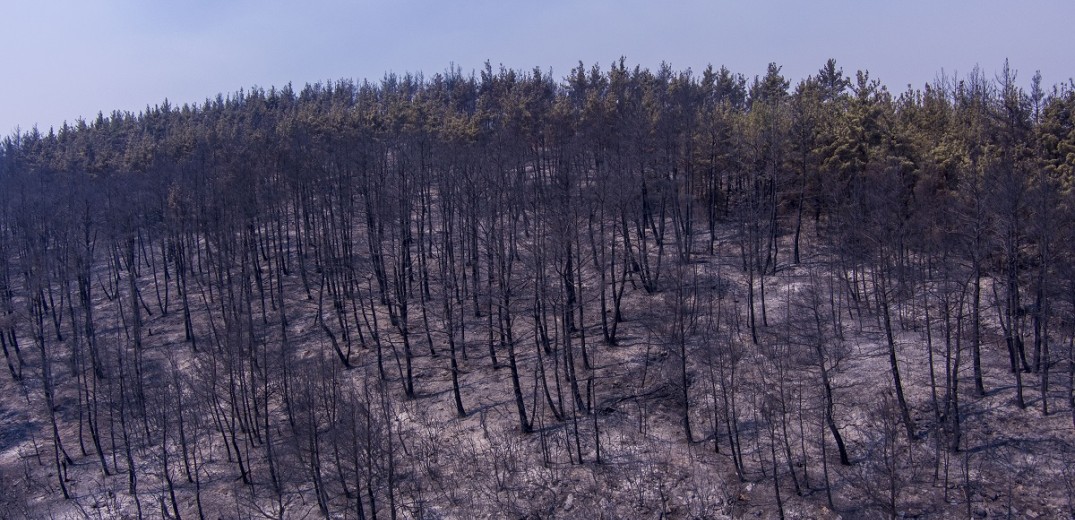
x,y
68,59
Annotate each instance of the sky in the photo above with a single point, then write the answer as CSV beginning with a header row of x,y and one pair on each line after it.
x,y
66,59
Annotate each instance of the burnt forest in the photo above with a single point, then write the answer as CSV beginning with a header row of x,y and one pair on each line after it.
x,y
619,293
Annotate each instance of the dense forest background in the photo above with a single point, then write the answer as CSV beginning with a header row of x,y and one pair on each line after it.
x,y
632,293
